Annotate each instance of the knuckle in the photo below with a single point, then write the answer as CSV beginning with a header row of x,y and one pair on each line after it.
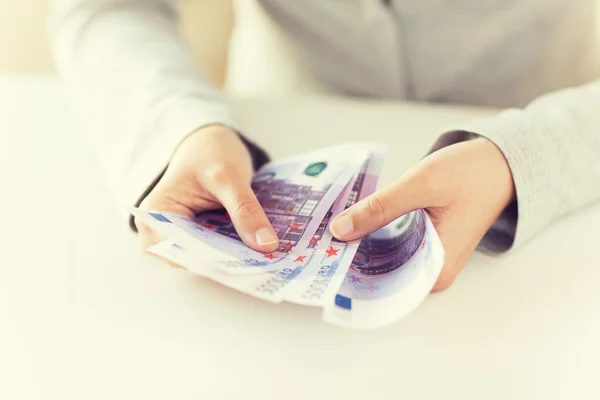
x,y
219,173
437,183
426,179
142,228
149,202
444,281
429,181
441,285
173,265
156,200
374,209
247,209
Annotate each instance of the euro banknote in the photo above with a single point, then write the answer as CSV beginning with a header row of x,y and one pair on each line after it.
x,y
363,284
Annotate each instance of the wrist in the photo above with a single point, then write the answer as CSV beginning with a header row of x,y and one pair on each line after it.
x,y
258,156
209,132
498,172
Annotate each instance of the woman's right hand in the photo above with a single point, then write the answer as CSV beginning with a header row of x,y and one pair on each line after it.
x,y
211,169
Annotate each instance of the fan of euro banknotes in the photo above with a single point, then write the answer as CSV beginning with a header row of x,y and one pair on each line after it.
x,y
363,284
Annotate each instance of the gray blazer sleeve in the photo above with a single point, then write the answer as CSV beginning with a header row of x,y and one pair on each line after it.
x,y
553,149
135,85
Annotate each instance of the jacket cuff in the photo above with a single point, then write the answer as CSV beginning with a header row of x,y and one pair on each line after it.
x,y
518,221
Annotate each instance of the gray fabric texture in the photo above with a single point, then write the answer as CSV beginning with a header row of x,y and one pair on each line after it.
x,y
141,94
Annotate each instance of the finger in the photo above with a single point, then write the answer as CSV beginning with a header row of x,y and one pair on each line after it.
x,y
148,237
248,217
171,263
452,266
446,278
157,201
381,208
460,237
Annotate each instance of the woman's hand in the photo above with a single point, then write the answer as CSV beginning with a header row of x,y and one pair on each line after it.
x,y
463,187
211,169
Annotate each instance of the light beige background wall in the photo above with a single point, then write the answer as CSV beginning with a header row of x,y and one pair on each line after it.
x,y
24,46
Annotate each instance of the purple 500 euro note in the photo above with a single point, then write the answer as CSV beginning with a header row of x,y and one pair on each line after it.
x,y
296,195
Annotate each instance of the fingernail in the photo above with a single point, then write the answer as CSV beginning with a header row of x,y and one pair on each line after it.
x,y
265,236
342,226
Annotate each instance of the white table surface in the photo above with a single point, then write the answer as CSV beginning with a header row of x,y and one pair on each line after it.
x,y
85,314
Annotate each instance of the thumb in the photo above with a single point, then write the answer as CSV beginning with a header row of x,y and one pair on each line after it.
x,y
235,194
379,209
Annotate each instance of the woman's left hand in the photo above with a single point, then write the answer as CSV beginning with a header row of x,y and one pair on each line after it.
x,y
463,187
